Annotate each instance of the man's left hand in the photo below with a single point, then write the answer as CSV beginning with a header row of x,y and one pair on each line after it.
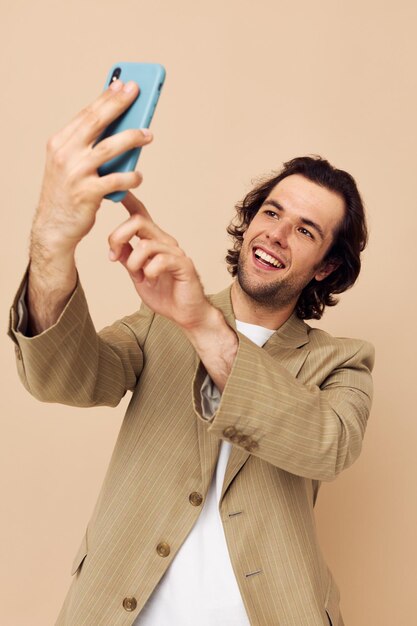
x,y
164,277
167,282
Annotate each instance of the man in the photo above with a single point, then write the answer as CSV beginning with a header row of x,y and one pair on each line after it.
x,y
206,512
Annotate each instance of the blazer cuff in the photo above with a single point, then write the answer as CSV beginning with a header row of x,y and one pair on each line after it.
x,y
75,308
224,415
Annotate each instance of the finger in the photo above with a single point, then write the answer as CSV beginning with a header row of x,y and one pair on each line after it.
x,y
146,250
89,124
124,233
138,276
137,226
134,205
163,264
111,147
142,227
101,113
124,254
59,139
117,181
152,271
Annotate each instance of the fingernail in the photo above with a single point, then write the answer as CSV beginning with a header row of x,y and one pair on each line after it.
x,y
112,255
146,132
129,86
116,85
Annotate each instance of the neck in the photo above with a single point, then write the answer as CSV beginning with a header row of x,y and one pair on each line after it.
x,y
248,310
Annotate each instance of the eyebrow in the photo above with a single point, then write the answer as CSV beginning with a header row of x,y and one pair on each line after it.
x,y
304,220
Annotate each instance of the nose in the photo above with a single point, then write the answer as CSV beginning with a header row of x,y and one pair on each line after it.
x,y
279,233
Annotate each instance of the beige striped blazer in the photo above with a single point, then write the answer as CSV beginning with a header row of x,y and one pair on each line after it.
x,y
296,412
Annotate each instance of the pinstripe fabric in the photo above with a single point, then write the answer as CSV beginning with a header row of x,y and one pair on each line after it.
x,y
304,398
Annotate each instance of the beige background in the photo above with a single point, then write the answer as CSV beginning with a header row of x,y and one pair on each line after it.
x,y
249,85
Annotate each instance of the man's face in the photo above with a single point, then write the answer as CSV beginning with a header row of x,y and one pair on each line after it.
x,y
285,244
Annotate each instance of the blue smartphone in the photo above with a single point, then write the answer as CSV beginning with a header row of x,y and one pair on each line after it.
x,y
150,78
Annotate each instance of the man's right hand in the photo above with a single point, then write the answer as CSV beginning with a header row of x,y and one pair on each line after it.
x,y
71,194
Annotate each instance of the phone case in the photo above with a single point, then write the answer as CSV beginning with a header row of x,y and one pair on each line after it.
x,y
150,78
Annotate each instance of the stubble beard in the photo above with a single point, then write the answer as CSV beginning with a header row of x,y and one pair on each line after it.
x,y
272,295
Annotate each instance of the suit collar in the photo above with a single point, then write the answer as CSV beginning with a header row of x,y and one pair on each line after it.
x,y
292,334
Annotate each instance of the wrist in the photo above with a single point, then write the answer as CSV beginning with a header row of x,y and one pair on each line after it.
x,y
216,344
52,267
50,287
209,322
50,246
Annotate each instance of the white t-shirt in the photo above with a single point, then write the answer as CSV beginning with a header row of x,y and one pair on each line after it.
x,y
199,585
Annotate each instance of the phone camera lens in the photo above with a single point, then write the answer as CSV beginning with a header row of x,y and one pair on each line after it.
x,y
115,75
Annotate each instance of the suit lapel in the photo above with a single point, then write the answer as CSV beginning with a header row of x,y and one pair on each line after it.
x,y
208,444
209,447
283,347
237,460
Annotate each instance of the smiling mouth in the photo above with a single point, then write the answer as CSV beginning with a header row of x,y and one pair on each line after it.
x,y
267,260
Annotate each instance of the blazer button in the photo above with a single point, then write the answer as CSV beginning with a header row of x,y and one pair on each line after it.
x,y
252,446
229,432
245,440
237,437
130,604
163,548
195,498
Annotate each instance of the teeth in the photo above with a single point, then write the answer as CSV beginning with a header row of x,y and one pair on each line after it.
x,y
268,258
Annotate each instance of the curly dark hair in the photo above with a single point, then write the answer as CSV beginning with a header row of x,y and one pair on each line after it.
x,y
349,241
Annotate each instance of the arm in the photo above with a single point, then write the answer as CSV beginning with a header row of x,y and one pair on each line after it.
x,y
312,425
71,195
63,358
167,281
71,364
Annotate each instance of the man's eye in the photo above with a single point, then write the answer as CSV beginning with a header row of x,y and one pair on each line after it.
x,y
305,232
271,213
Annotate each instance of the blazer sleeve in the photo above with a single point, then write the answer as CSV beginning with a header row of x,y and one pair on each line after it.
x,y
311,430
72,364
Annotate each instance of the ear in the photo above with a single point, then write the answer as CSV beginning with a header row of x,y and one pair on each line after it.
x,y
326,268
